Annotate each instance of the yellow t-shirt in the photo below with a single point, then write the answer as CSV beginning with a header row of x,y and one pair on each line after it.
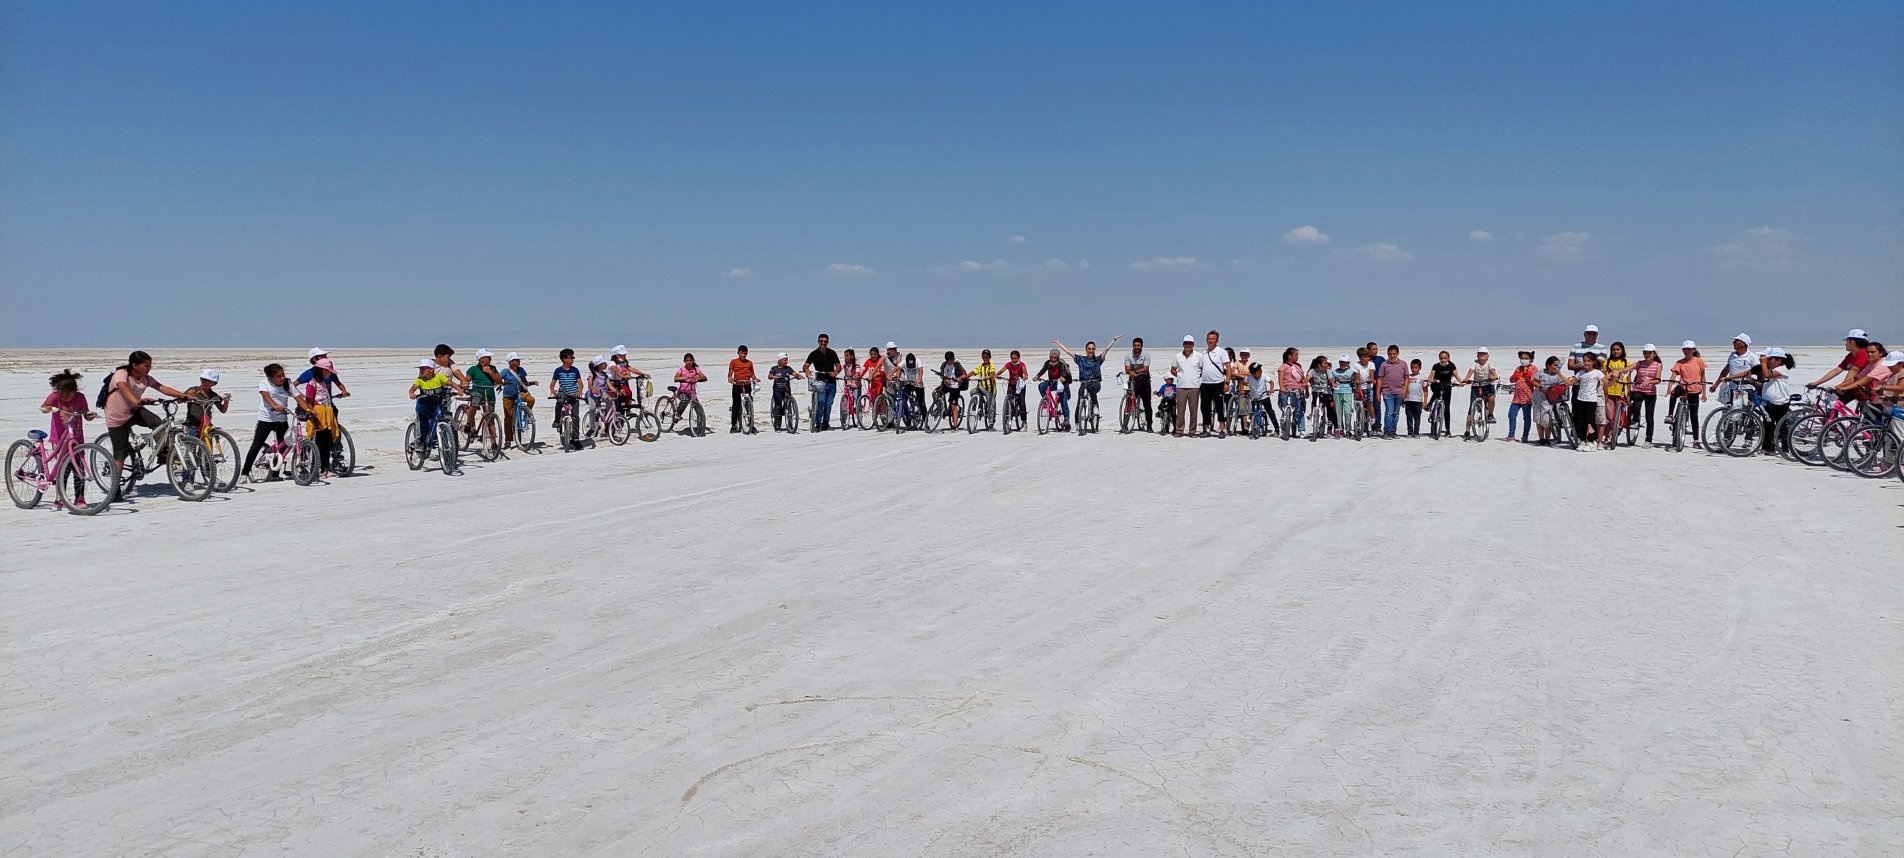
x,y
432,384
1613,368
987,375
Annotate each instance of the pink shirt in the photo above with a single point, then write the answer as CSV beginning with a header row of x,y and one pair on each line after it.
x,y
1290,377
684,379
74,402
118,411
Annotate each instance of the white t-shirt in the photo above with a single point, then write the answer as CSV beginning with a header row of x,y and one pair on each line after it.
x,y
1189,368
1216,366
1592,386
1777,391
280,397
1483,373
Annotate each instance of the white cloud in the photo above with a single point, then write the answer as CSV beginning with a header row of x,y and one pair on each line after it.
x,y
1382,251
1167,263
1565,245
842,269
1480,235
1016,239
1056,264
994,265
1760,246
739,272
1305,235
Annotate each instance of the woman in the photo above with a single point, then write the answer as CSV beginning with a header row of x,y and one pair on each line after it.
x,y
1056,373
1522,403
1322,395
274,412
1643,387
1619,371
1689,384
1863,385
1441,379
1289,380
1552,388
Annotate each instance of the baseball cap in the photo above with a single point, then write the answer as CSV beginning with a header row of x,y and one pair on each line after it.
x,y
210,375
426,363
1894,357
1856,334
1649,347
781,356
316,353
618,350
1481,351
599,359
1774,351
891,345
1593,329
512,356
1243,351
1189,339
1341,358
483,353
1689,344
1744,338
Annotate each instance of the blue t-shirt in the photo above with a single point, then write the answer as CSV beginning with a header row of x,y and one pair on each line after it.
x,y
1090,368
310,375
568,380
513,380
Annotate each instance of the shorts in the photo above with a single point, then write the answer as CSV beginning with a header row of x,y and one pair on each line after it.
x,y
952,395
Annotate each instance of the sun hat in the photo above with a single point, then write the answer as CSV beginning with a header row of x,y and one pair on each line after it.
x,y
1481,351
1744,338
891,345
324,364
1856,334
1649,347
483,353
618,350
1774,351
512,356
1593,329
1688,345
426,363
210,375
316,353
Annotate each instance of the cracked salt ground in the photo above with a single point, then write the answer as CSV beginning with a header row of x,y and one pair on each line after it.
x,y
678,648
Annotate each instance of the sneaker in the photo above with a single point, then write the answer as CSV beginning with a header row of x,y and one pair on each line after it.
x,y
1490,419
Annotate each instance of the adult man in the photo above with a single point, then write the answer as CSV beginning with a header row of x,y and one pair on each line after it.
x,y
1187,371
823,366
1392,376
1137,375
515,385
1589,344
1090,367
1216,369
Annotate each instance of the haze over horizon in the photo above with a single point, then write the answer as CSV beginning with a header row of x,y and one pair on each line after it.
x,y
365,174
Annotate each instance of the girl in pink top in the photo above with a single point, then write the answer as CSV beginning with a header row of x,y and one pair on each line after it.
x,y
66,398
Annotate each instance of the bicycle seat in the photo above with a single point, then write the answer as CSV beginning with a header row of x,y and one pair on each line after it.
x,y
35,435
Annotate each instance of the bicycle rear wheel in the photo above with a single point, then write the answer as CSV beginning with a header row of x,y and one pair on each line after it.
x,y
88,482
618,429
188,469
1742,433
647,426
26,472
1871,451
1477,420
226,458
304,467
1835,438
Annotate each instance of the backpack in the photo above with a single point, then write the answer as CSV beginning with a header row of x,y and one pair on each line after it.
x,y
964,383
105,387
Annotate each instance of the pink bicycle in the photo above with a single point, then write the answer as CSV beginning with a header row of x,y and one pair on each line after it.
x,y
83,475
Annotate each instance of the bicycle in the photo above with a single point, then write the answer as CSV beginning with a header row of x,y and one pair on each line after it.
x,y
1292,425
1560,411
1166,415
1867,441
416,447
295,460
1085,415
525,423
188,462
1051,416
1236,414
981,409
223,447
1014,417
81,475
1478,416
1440,422
1807,431
855,411
786,410
1741,428
608,419
1130,416
481,428
1323,412
1620,421
679,405
1259,417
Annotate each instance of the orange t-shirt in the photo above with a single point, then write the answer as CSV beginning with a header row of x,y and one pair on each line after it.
x,y
1691,373
743,370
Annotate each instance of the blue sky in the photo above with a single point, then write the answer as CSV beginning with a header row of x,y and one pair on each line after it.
x,y
389,174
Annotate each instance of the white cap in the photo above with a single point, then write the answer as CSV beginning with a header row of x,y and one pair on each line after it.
x,y
619,350
1243,351
1189,339
1341,358
1649,347
210,375
891,345
316,353
483,353
426,363
1744,338
1481,351
1894,357
1774,351
1593,329
1855,334
598,359
512,356
781,356
1688,345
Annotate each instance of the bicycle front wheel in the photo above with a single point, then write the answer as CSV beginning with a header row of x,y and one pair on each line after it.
x,y
1742,433
189,469
304,467
1835,438
26,473
88,482
226,458
446,449
413,450
618,429
647,427
1871,452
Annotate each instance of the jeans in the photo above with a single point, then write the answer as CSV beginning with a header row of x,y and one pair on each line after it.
x,y
1064,395
823,390
1522,411
1414,417
1391,409
428,408
1292,410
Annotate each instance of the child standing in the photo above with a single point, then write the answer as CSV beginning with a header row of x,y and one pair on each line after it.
x,y
1416,397
1521,406
782,375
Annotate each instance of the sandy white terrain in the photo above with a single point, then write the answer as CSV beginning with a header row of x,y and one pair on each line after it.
x,y
855,644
